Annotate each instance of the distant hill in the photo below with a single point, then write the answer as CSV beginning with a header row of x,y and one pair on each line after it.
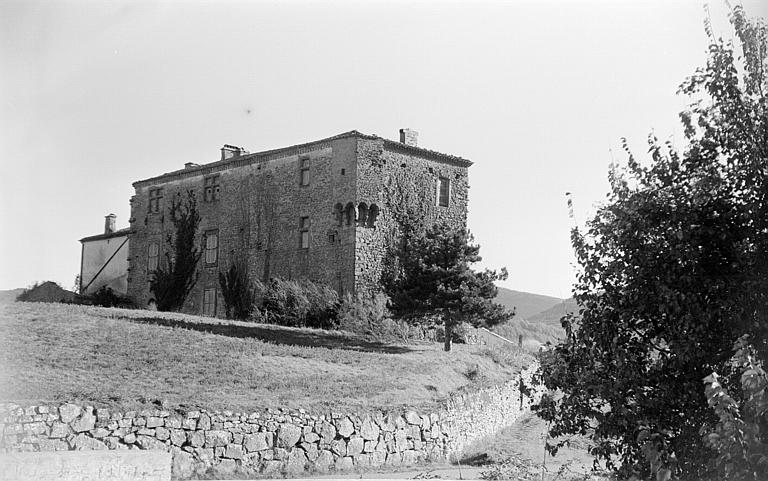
x,y
553,314
10,295
525,303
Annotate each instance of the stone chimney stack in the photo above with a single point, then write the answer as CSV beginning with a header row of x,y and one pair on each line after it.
x,y
232,151
109,223
409,137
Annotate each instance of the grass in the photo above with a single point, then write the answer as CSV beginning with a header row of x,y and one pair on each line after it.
x,y
517,452
130,359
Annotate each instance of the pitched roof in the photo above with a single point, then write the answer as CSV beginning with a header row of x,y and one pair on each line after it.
x,y
296,149
117,233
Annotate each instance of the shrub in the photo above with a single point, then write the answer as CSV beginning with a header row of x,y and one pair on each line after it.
x,y
296,304
368,315
106,297
238,292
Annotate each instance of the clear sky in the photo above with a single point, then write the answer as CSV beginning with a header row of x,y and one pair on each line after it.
x,y
96,95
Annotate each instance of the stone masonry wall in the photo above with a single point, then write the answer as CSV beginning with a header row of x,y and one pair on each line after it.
x,y
257,216
271,441
401,183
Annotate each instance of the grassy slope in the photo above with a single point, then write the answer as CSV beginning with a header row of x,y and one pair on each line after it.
x,y
525,303
128,359
9,295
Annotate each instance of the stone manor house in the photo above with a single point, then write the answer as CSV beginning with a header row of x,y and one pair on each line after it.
x,y
325,210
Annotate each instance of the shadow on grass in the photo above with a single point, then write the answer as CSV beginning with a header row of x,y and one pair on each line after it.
x,y
277,335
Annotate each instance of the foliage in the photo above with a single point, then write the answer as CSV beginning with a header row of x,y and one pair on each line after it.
x,y
173,280
296,303
368,315
106,297
434,278
673,272
740,436
238,292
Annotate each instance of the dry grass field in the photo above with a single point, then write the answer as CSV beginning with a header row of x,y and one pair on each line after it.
x,y
130,359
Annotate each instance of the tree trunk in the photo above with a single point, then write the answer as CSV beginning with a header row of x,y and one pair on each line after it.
x,y
448,335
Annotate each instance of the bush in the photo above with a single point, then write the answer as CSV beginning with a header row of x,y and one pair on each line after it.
x,y
239,293
368,315
106,297
296,304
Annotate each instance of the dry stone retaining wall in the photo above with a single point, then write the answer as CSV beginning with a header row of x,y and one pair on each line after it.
x,y
272,441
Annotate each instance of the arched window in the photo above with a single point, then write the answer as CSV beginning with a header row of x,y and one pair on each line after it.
x,y
373,213
350,212
362,214
338,212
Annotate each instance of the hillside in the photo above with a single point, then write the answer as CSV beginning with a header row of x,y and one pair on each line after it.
x,y
552,315
525,303
10,295
132,359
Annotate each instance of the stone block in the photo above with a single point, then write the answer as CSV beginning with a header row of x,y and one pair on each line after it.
x,y
369,430
154,422
59,430
86,422
178,437
296,462
288,435
68,412
344,464
355,446
344,427
217,438
83,442
234,451
257,441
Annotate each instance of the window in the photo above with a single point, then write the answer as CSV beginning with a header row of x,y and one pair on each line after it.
x,y
362,214
209,302
211,188
155,200
349,212
373,213
338,213
211,247
304,171
304,232
154,255
444,191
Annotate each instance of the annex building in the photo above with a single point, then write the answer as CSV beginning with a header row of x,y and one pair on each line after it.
x,y
325,211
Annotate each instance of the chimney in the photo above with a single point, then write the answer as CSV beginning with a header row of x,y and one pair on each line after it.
x,y
232,151
109,223
409,137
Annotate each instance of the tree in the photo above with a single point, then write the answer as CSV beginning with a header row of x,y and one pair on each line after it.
x,y
673,291
434,278
172,282
238,292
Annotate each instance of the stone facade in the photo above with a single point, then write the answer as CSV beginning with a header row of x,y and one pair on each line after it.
x,y
273,441
324,211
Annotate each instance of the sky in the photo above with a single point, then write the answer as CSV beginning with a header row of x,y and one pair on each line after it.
x,y
96,95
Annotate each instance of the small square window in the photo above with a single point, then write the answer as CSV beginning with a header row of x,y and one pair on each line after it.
x,y
212,189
